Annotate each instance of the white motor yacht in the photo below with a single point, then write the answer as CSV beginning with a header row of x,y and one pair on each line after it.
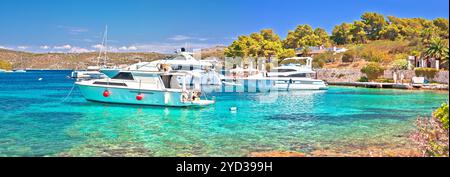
x,y
285,77
143,88
182,61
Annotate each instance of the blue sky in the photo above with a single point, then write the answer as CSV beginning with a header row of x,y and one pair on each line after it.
x,y
164,25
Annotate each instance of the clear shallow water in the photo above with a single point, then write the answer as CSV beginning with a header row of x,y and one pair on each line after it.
x,y
35,122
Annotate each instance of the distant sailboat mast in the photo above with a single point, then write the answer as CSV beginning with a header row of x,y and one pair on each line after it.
x,y
103,49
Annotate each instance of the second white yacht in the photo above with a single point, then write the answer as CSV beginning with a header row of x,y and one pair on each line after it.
x,y
283,78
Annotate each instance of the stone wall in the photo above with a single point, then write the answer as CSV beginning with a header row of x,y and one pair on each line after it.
x,y
441,77
339,75
407,74
352,75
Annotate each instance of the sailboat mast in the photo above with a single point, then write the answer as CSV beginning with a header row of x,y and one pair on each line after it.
x,y
103,48
106,45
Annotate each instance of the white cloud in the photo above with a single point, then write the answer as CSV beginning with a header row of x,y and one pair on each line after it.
x,y
97,46
130,48
45,47
4,47
22,47
63,47
79,50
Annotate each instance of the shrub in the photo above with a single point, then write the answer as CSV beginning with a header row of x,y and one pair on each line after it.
x,y
321,59
349,56
5,65
326,57
372,70
442,114
363,79
384,80
375,56
400,64
428,73
432,133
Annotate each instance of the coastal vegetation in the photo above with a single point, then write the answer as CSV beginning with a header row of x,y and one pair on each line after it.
x,y
426,72
5,65
373,70
374,38
432,133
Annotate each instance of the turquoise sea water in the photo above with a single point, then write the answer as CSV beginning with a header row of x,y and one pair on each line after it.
x,y
35,122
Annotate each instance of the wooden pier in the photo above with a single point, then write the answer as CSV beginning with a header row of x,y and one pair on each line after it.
x,y
373,85
392,85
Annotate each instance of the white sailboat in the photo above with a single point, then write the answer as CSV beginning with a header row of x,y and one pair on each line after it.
x,y
93,72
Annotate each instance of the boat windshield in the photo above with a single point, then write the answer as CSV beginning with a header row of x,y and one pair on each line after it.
x,y
124,76
172,57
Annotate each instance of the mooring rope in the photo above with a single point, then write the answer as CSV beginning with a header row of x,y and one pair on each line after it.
x,y
70,93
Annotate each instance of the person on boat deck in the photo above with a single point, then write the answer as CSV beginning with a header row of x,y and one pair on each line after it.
x,y
165,68
196,95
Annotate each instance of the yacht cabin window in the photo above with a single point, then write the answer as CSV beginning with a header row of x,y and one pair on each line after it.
x,y
124,76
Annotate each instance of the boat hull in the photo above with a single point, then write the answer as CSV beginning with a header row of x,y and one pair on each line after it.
x,y
128,96
278,84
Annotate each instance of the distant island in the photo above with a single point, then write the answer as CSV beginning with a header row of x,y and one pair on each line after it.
x,y
10,59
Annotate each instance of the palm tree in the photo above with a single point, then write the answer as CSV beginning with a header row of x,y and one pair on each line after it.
x,y
437,49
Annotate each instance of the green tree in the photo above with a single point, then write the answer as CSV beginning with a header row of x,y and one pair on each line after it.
x,y
342,33
374,23
390,32
266,43
358,32
238,48
269,35
304,35
285,53
323,37
442,25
